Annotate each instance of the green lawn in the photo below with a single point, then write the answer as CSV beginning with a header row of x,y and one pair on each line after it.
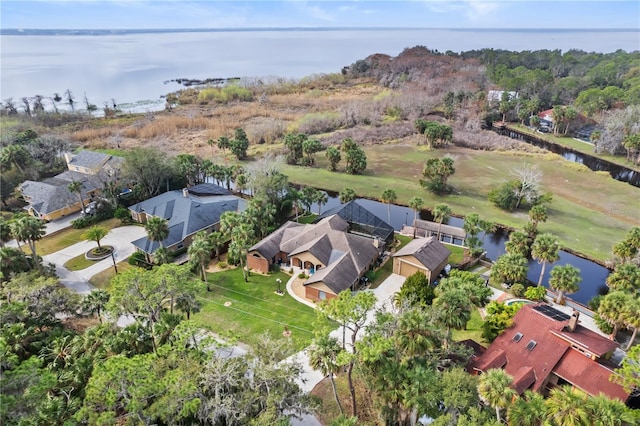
x,y
78,263
378,276
473,330
577,214
457,254
67,237
254,309
102,280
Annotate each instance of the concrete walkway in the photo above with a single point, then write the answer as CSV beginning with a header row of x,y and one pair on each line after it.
x,y
384,294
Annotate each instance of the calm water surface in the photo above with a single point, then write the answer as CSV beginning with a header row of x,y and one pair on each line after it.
x,y
134,67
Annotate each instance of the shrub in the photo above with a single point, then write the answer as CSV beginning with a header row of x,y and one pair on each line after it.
x,y
222,264
137,258
535,293
302,275
323,122
84,221
517,290
123,214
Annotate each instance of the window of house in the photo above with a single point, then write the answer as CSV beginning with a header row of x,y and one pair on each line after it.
x,y
322,295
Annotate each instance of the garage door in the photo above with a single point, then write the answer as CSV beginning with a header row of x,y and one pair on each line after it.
x,y
407,269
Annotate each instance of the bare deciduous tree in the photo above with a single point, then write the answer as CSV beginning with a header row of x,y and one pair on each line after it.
x,y
530,178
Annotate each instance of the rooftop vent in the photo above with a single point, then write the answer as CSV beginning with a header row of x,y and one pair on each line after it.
x,y
532,344
517,337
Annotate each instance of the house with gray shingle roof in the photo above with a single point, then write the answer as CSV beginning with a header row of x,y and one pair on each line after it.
x,y
362,221
426,255
50,199
334,258
187,212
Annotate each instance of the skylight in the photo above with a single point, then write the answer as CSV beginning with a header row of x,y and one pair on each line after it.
x,y
532,344
517,337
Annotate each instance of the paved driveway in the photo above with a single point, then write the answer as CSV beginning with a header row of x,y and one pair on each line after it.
x,y
120,238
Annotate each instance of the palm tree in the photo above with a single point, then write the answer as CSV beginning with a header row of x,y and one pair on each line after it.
x,y
564,279
157,229
76,187
510,268
518,243
323,356
537,214
452,310
545,250
241,183
12,261
5,231
241,237
494,389
30,229
161,256
567,407
346,195
625,277
416,204
612,309
441,212
216,241
389,196
200,252
631,318
95,302
95,233
528,410
603,411
186,302
321,198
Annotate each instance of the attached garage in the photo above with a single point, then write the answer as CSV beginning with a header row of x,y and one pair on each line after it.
x,y
426,255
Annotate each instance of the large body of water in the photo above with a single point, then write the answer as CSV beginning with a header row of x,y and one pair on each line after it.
x,y
132,67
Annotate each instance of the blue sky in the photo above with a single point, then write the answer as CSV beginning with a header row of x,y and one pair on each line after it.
x,y
97,14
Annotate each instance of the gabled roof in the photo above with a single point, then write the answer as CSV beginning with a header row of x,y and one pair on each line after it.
x,y
533,349
338,276
53,194
361,220
444,229
270,245
428,251
93,160
344,255
591,377
186,214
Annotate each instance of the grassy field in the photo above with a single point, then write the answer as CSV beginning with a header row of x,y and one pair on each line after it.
x,y
67,237
102,280
457,254
254,308
377,277
589,212
580,146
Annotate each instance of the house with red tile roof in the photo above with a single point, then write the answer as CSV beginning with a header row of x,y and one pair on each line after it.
x,y
546,348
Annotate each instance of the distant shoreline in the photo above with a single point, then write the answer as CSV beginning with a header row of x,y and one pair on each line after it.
x,y
125,31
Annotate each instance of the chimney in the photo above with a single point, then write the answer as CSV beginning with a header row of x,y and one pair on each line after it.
x,y
573,321
68,157
185,192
